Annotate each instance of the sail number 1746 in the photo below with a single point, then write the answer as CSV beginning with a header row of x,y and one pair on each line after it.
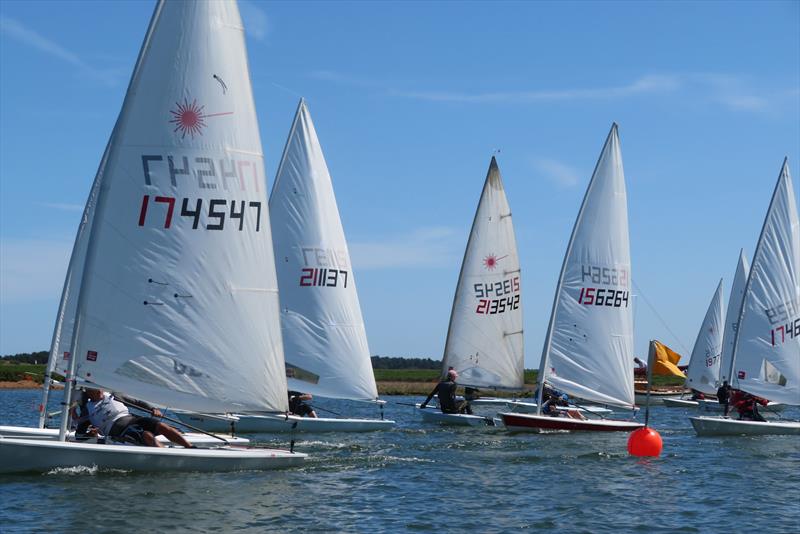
x,y
790,330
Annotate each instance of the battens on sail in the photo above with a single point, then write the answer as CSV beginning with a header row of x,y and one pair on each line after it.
x,y
767,347
732,316
325,342
178,302
703,372
588,350
484,340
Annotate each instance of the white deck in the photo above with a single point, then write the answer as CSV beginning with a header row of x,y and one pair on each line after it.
x,y
25,455
272,423
195,438
530,407
723,426
517,422
434,415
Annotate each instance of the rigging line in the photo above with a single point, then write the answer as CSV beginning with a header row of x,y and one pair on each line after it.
x,y
661,319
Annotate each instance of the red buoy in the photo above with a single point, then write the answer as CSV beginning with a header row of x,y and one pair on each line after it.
x,y
645,442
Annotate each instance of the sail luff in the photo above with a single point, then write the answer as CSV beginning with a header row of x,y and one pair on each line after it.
x,y
771,368
732,316
91,237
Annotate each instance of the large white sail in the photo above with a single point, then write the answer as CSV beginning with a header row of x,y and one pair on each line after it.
x,y
732,316
703,372
325,342
588,350
484,340
767,349
178,300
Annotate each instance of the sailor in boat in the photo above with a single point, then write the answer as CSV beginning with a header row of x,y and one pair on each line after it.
x,y
550,407
298,406
723,394
111,418
697,395
747,405
446,391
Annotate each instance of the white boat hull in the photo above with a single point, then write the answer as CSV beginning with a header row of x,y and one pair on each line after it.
x,y
655,398
517,422
26,455
434,415
271,423
489,401
530,407
714,406
195,438
722,426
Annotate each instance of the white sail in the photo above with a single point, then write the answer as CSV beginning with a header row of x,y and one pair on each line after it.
x,y
178,299
703,372
484,340
325,342
588,351
767,349
732,316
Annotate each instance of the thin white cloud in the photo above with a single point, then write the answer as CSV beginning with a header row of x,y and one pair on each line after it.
x,y
557,172
645,84
32,269
255,20
424,247
21,33
61,206
344,79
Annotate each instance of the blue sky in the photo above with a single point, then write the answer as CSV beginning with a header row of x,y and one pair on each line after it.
x,y
410,100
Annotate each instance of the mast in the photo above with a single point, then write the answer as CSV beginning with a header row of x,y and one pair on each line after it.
x,y
542,375
102,188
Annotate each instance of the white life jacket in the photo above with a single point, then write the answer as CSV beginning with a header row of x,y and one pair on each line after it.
x,y
104,412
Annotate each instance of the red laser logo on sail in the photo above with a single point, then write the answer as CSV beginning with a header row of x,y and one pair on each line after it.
x,y
490,261
190,118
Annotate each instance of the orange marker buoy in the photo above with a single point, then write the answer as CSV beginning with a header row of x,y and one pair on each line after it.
x,y
645,442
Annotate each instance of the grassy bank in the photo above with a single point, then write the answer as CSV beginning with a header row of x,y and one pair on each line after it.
x,y
17,372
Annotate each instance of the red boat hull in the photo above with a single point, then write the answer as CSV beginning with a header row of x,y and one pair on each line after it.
x,y
536,423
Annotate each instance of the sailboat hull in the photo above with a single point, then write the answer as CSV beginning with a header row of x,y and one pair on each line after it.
x,y
530,407
538,423
26,455
720,426
680,403
434,415
51,434
271,423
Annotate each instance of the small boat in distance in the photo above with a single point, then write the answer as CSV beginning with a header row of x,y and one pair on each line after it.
x,y
177,300
703,372
485,339
588,350
766,348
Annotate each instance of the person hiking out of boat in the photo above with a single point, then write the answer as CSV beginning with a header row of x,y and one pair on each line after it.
x,y
550,407
697,395
111,418
446,392
747,406
723,395
298,406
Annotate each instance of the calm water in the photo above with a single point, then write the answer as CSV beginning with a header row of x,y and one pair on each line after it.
x,y
422,478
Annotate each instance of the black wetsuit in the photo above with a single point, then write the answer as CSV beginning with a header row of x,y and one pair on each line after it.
x,y
446,391
297,406
723,396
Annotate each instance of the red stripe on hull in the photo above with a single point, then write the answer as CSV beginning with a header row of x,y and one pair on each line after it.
x,y
564,423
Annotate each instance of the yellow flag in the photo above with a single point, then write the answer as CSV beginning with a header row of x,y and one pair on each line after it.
x,y
666,361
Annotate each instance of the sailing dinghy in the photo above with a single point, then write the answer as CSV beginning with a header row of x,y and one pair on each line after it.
x,y
484,339
588,351
177,300
324,339
704,365
766,349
